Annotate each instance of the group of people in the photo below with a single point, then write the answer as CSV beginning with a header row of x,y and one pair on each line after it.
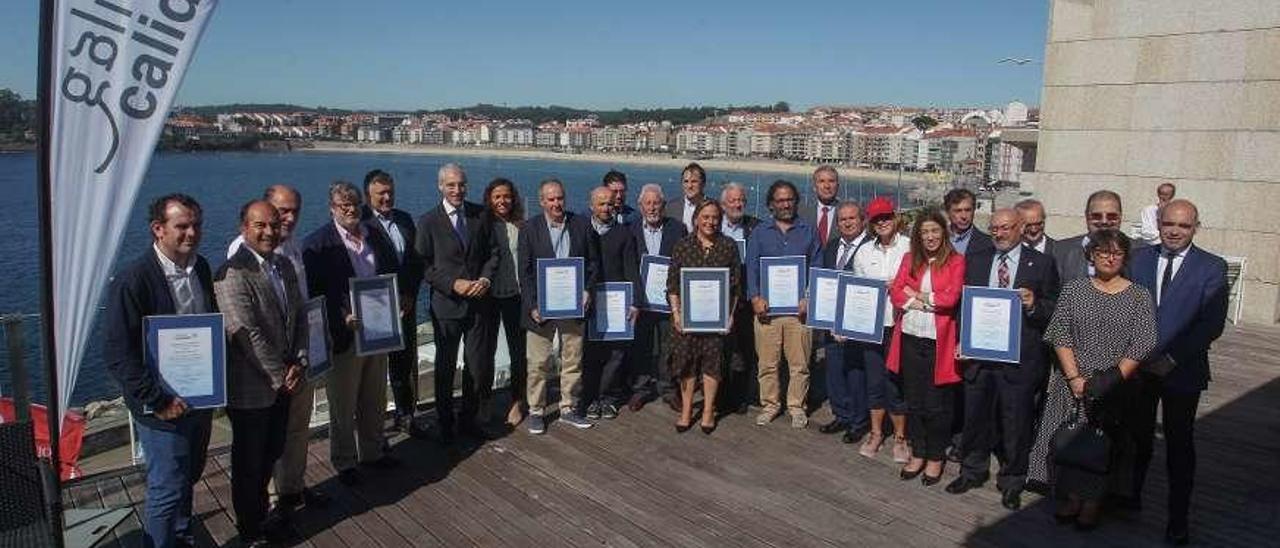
x,y
1110,330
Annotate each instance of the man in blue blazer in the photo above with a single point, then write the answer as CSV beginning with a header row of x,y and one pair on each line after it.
x,y
1000,409
559,234
846,378
169,278
1189,286
356,386
654,234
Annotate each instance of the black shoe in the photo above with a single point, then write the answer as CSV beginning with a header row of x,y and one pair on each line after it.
x,y
682,428
708,429
472,430
930,481
1012,499
962,485
854,436
906,475
386,462
953,454
636,402
315,497
1177,534
349,477
289,501
592,411
444,432
832,427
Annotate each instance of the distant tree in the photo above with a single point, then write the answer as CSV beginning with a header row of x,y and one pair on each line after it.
x,y
16,115
924,123
781,106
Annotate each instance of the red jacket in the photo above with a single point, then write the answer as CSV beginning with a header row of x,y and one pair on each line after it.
x,y
948,282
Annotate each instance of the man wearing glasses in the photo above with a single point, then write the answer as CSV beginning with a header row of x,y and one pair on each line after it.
x,y
1033,235
1102,211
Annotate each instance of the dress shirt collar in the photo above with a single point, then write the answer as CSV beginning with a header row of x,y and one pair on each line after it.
x,y
1166,253
1014,254
962,236
449,209
601,228
171,268
554,225
892,242
348,235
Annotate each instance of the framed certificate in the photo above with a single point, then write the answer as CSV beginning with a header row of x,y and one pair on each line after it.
x,y
860,309
560,288
319,346
782,282
375,301
188,354
653,276
822,298
704,300
610,303
991,324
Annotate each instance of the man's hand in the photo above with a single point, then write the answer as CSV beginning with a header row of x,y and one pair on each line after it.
x,y
586,300
804,308
293,377
463,287
909,292
675,321
353,323
537,318
175,409
1028,298
759,306
632,314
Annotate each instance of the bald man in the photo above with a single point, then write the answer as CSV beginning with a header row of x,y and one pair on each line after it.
x,y
1005,392
603,362
1189,286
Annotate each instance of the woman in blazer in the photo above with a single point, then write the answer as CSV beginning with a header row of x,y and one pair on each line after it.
x,y
926,296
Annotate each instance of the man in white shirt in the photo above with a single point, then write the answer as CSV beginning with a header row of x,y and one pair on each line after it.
x,y
826,188
693,181
1033,235
1150,231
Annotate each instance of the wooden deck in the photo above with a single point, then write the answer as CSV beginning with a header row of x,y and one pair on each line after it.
x,y
635,482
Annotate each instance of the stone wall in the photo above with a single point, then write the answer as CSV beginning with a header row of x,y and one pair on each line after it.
x,y
1138,92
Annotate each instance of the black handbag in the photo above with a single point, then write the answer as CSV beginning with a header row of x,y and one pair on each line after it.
x,y
1081,445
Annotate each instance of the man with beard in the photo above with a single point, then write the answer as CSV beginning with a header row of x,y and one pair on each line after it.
x,y
738,390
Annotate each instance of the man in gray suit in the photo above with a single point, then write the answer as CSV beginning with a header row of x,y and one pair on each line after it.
x,y
693,181
258,293
826,188
1102,210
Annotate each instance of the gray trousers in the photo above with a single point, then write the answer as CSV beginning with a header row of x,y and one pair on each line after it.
x,y
357,390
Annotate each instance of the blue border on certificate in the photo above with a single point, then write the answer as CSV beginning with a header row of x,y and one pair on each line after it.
x,y
579,265
643,297
598,317
690,274
876,335
366,346
317,366
810,319
797,260
1013,354
151,327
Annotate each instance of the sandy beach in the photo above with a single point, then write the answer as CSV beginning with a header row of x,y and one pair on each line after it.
x,y
712,165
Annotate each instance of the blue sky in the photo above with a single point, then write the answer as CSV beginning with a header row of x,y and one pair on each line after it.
x,y
415,54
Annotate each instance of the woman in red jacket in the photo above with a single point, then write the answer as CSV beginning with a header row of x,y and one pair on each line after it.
x,y
926,298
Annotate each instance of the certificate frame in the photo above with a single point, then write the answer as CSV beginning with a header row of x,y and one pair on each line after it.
x,y
594,331
876,335
365,344
799,261
215,323
815,274
647,261
318,366
579,265
692,274
1013,352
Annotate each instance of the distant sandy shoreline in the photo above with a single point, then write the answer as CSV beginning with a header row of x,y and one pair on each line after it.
x,y
712,165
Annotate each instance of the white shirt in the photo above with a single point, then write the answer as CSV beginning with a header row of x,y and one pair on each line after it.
x,y
188,296
848,248
735,231
920,323
688,214
1012,256
1040,245
273,276
287,249
879,262
393,232
830,210
1160,266
652,239
1150,231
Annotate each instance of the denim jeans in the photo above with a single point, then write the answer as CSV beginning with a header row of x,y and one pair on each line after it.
x,y
175,461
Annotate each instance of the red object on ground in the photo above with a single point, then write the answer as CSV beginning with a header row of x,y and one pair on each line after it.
x,y
69,443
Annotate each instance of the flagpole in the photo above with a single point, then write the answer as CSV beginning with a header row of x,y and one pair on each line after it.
x,y
44,186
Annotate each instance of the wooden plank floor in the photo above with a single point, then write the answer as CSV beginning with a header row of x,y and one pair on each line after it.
x,y
635,482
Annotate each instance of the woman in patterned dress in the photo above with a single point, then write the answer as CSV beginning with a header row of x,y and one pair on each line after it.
x,y
1103,326
699,354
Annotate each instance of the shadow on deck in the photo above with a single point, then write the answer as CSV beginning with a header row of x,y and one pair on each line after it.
x,y
635,482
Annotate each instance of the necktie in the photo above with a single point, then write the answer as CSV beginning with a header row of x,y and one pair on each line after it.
x,y
185,297
459,229
823,226
845,248
1167,278
277,283
1002,273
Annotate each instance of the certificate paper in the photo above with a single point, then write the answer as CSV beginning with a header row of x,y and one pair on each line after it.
x,y
561,286
860,309
377,319
318,359
653,274
188,353
823,284
991,324
783,280
704,300
375,301
611,303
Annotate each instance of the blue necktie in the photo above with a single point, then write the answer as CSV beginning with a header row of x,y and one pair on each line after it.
x,y
459,229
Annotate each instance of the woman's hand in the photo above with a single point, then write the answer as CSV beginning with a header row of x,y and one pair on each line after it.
x,y
1077,387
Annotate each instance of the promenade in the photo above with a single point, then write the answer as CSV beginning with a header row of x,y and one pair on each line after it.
x,y
635,482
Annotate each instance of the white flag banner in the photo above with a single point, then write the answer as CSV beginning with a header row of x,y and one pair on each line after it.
x,y
116,67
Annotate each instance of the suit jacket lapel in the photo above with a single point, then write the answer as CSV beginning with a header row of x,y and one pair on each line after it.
x,y
164,304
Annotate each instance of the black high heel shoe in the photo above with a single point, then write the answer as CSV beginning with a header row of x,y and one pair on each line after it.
x,y
682,428
930,481
708,429
908,475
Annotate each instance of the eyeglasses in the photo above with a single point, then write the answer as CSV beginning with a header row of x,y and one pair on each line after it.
x,y
1104,216
344,205
1108,253
1041,223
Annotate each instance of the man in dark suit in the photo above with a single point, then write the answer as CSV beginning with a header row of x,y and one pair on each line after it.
x,y
1102,210
259,295
693,183
960,204
555,234
169,278
334,253
846,375
1002,392
604,362
737,389
1189,286
457,245
822,214
655,234
616,182
397,228
1033,235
